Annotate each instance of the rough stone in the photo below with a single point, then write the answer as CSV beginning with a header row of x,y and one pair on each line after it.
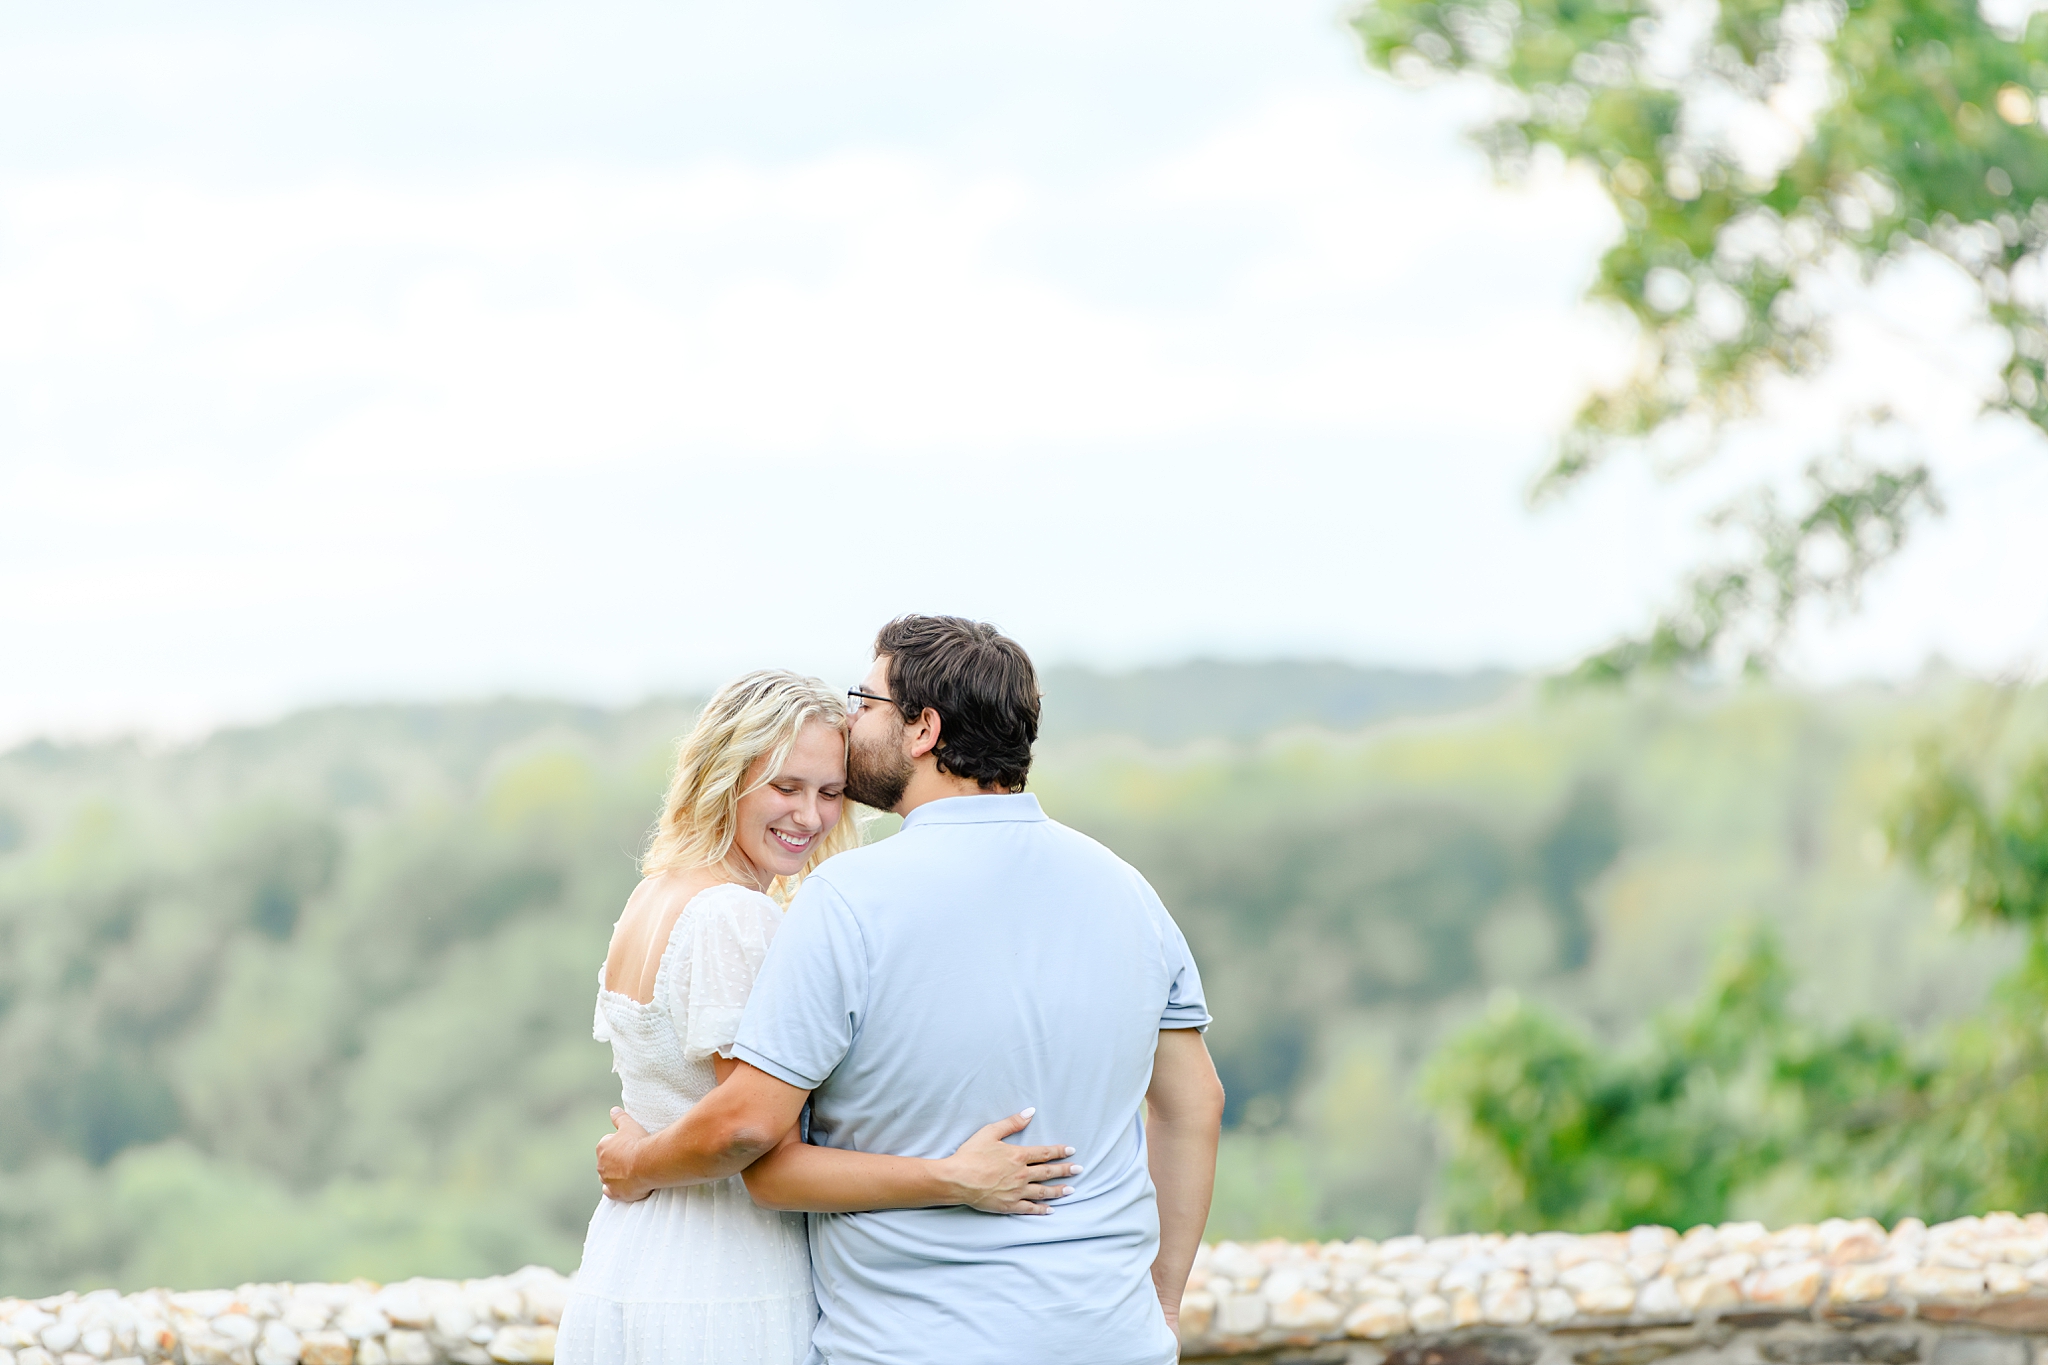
x,y
204,1346
1376,1319
1470,1348
1795,1285
1614,1301
403,1305
1240,1315
1630,1353
1511,1306
1981,1350
523,1345
279,1345
239,1328
2012,1315
1197,1313
544,1300
1303,1311
408,1348
1946,1283
359,1320
322,1347
1842,1348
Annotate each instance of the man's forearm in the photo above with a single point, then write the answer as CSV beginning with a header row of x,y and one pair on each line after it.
x,y
1182,1156
714,1140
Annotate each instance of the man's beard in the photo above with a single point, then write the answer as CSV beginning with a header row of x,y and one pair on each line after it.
x,y
877,775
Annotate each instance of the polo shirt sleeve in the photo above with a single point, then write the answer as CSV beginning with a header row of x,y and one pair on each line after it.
x,y
1185,1005
812,993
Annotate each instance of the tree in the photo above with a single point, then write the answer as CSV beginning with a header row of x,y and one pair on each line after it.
x,y
1735,1105
1911,129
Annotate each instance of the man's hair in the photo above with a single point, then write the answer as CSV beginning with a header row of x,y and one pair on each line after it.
x,y
981,683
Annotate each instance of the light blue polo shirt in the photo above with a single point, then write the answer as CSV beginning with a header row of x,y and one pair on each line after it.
x,y
983,960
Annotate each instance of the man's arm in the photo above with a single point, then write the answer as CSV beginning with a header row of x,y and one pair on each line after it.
x,y
986,1173
744,1117
1183,1120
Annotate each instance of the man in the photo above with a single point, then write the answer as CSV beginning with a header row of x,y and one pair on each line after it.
x,y
983,960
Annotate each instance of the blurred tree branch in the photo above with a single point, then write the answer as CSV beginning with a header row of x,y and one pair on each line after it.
x,y
1903,128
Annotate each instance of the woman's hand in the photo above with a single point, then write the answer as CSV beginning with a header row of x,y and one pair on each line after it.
x,y
989,1174
615,1160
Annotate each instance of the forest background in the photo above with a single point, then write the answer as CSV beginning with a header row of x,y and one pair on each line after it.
x,y
312,999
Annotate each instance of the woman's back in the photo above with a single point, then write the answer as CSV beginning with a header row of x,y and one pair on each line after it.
x,y
683,959
695,1273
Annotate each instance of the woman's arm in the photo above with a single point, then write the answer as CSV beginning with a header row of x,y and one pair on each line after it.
x,y
985,1173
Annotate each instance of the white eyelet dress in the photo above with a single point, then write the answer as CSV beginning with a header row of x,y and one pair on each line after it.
x,y
695,1275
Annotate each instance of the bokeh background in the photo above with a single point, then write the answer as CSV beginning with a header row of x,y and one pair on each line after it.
x,y
407,412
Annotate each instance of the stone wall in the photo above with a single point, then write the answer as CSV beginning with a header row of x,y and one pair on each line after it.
x,y
509,1318
1964,1293
1971,1292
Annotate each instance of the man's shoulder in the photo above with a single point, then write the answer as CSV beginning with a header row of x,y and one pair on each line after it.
x,y
874,871
1090,851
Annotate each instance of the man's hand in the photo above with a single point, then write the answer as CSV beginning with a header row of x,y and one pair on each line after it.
x,y
989,1174
615,1153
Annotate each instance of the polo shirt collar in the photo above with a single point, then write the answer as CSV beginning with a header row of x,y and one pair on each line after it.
x,y
976,810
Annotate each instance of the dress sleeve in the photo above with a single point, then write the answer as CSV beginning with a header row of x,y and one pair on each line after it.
x,y
728,937
599,1029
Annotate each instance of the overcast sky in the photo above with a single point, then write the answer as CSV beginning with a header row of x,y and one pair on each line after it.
x,y
404,350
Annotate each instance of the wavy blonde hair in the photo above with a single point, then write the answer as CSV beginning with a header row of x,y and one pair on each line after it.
x,y
750,719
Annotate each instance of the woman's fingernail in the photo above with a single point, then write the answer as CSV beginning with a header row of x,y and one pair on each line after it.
x,y
1075,1171
1070,1151
1028,1112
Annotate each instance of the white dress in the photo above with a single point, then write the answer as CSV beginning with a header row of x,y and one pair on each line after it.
x,y
695,1275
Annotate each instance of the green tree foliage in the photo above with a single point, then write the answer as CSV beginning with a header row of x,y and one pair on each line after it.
x,y
1722,1100
1914,132
1738,1106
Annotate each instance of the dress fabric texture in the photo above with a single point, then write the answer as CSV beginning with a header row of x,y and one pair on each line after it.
x,y
695,1275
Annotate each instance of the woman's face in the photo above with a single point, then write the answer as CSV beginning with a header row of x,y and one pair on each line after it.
x,y
782,820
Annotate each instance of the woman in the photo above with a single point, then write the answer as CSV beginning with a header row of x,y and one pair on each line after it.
x,y
699,1275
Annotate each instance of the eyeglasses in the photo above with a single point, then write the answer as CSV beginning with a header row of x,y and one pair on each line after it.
x,y
856,700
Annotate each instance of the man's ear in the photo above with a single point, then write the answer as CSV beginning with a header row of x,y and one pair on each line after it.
x,y
921,736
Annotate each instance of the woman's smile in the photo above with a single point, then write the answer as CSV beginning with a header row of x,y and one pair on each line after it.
x,y
796,841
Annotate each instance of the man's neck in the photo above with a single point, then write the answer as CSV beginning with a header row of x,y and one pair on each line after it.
x,y
928,784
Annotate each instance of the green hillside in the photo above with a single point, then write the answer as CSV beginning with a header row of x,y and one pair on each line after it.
x,y
312,999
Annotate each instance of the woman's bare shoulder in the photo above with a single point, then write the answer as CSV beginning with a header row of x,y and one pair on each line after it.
x,y
644,926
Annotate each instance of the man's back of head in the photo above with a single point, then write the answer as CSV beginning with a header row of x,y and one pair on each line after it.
x,y
981,683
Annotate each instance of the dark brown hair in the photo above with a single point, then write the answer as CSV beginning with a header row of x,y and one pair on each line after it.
x,y
981,683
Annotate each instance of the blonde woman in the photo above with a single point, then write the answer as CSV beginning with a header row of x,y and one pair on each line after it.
x,y
697,1274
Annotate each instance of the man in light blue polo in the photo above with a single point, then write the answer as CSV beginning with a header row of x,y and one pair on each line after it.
x,y
983,960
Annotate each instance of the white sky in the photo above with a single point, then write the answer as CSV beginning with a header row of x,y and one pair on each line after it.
x,y
394,349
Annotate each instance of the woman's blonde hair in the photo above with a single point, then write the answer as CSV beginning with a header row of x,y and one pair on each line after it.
x,y
751,718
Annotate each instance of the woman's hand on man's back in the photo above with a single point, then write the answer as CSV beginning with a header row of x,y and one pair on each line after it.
x,y
990,1174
